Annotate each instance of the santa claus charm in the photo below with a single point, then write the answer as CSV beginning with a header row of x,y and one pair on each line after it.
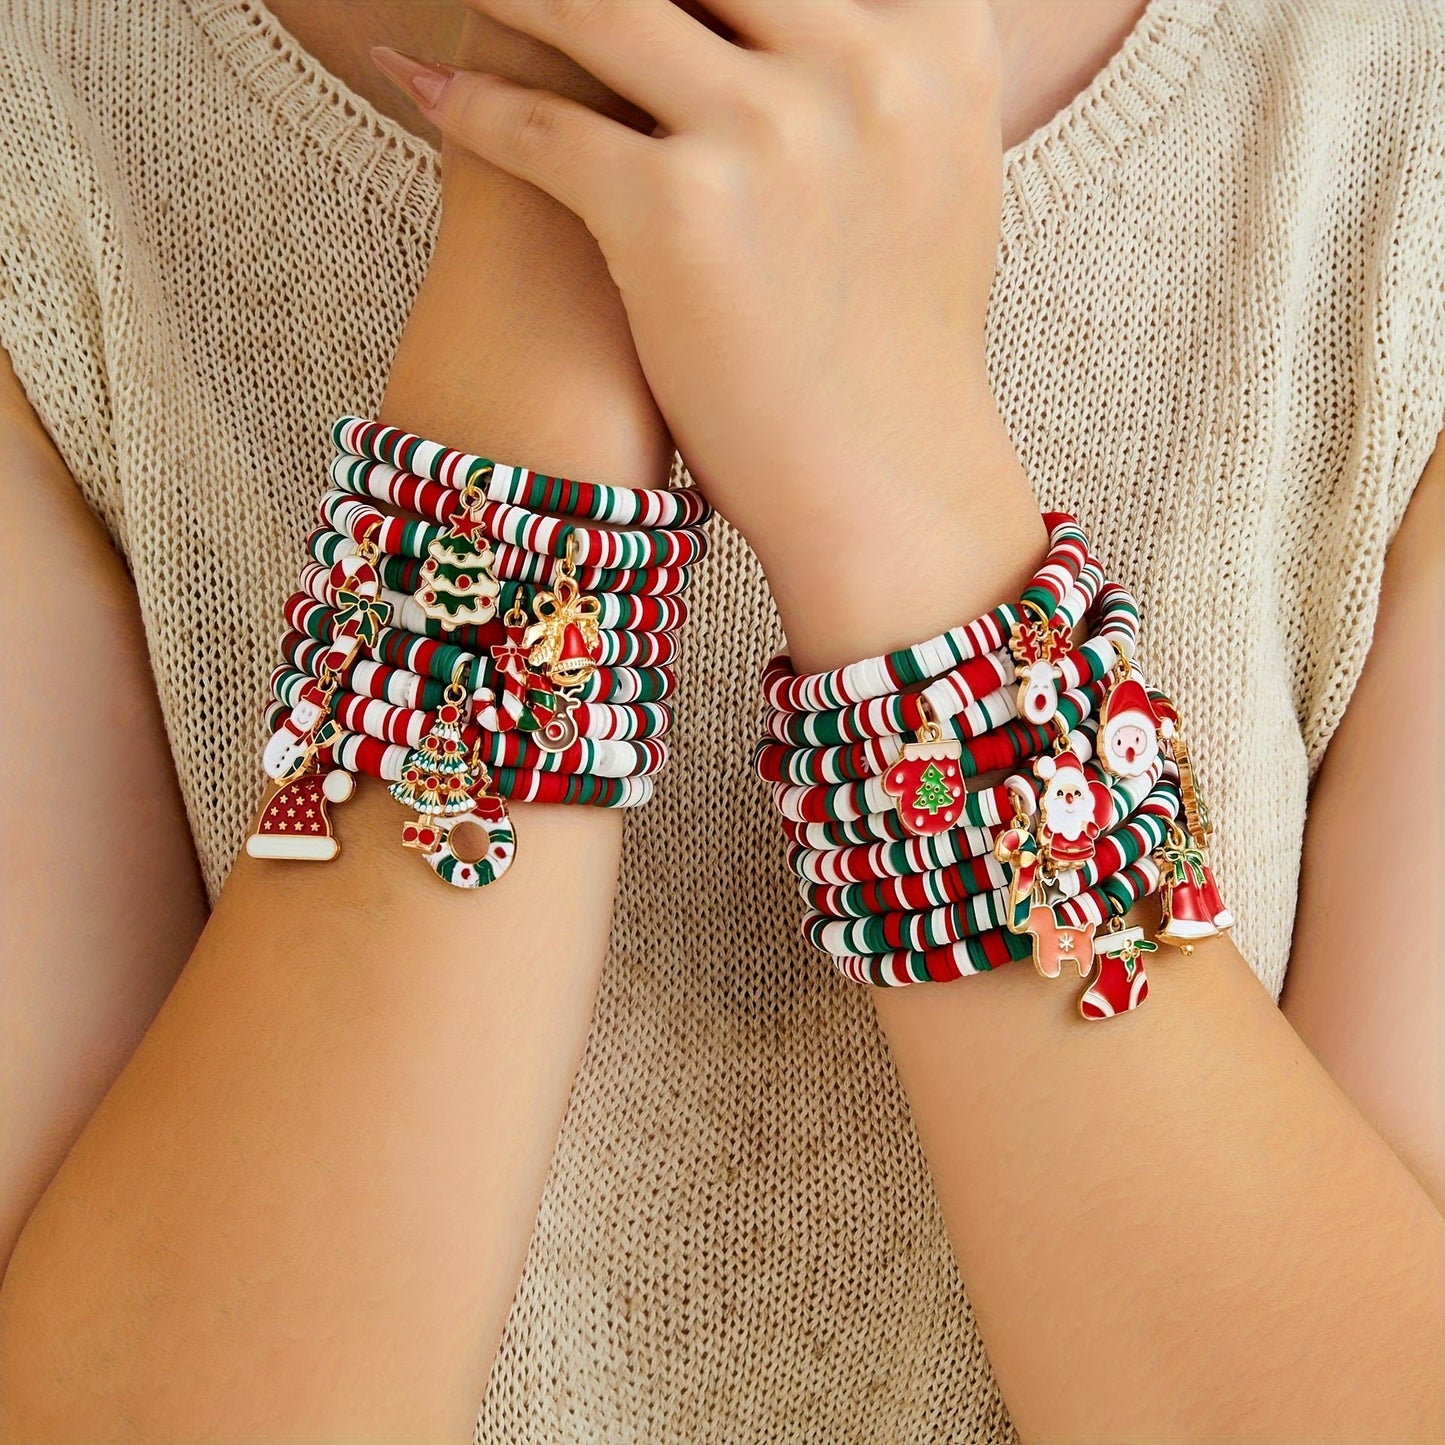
x,y
1121,983
294,822
1128,730
926,783
1073,810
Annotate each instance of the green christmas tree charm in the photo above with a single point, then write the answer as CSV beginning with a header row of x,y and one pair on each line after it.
x,y
933,792
436,779
457,582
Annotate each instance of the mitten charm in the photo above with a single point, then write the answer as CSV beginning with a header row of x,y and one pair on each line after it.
x,y
927,780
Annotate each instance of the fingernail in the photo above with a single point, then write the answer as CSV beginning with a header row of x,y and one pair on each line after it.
x,y
422,80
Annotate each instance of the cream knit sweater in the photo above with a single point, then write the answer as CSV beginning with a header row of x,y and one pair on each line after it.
x,y
1217,335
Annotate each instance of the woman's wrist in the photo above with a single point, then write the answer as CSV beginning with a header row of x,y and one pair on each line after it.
x,y
955,527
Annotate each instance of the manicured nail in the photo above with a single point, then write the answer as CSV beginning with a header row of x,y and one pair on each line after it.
x,y
423,80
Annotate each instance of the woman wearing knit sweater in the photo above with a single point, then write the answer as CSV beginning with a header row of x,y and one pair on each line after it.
x,y
289,1191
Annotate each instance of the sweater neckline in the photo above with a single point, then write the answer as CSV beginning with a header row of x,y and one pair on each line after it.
x,y
1067,157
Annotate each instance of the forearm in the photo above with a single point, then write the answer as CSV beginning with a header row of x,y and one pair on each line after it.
x,y
1174,1227
303,1208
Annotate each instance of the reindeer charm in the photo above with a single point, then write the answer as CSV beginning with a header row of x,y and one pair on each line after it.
x,y
1038,647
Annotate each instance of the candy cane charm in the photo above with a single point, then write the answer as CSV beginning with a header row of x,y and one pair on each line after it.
x,y
360,616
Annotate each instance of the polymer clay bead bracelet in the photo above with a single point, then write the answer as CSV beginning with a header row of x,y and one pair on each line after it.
x,y
910,874
492,650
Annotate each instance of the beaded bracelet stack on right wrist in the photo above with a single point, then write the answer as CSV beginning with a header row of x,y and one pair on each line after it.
x,y
912,875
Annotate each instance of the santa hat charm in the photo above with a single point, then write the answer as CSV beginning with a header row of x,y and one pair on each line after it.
x,y
294,821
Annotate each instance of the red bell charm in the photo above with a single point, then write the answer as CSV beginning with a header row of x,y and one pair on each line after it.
x,y
1193,908
576,657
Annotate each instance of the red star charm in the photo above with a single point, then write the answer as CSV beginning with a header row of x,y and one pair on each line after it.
x,y
467,522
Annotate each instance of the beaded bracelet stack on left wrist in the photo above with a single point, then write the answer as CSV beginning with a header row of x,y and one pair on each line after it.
x,y
495,649
912,874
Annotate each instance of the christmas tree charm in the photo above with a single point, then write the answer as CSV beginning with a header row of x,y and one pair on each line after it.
x,y
1121,983
294,822
457,584
1038,647
1073,810
566,638
927,780
436,776
447,787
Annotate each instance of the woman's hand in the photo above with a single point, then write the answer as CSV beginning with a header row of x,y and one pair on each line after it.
x,y
805,245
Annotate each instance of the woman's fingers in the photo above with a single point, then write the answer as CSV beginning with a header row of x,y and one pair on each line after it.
x,y
580,158
651,52
786,24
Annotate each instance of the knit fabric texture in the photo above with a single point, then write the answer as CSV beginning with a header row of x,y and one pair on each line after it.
x,y
1217,336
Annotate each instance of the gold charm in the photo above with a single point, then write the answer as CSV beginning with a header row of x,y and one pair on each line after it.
x,y
566,638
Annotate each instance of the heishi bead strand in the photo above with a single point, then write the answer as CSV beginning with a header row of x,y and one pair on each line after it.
x,y
868,798
621,506
357,752
619,611
616,648
434,661
1068,553
488,647
876,862
891,923
515,526
953,698
608,758
397,537
407,689
908,875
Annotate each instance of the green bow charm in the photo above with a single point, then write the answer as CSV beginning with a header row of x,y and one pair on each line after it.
x,y
1185,862
366,615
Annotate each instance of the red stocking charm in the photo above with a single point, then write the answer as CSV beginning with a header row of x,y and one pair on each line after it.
x,y
1121,983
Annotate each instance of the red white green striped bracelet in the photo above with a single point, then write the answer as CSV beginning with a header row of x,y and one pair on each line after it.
x,y
1067,555
858,919
388,761
386,615
401,688
620,506
441,662
422,539
517,526
619,611
605,757
397,537
990,677
613,648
